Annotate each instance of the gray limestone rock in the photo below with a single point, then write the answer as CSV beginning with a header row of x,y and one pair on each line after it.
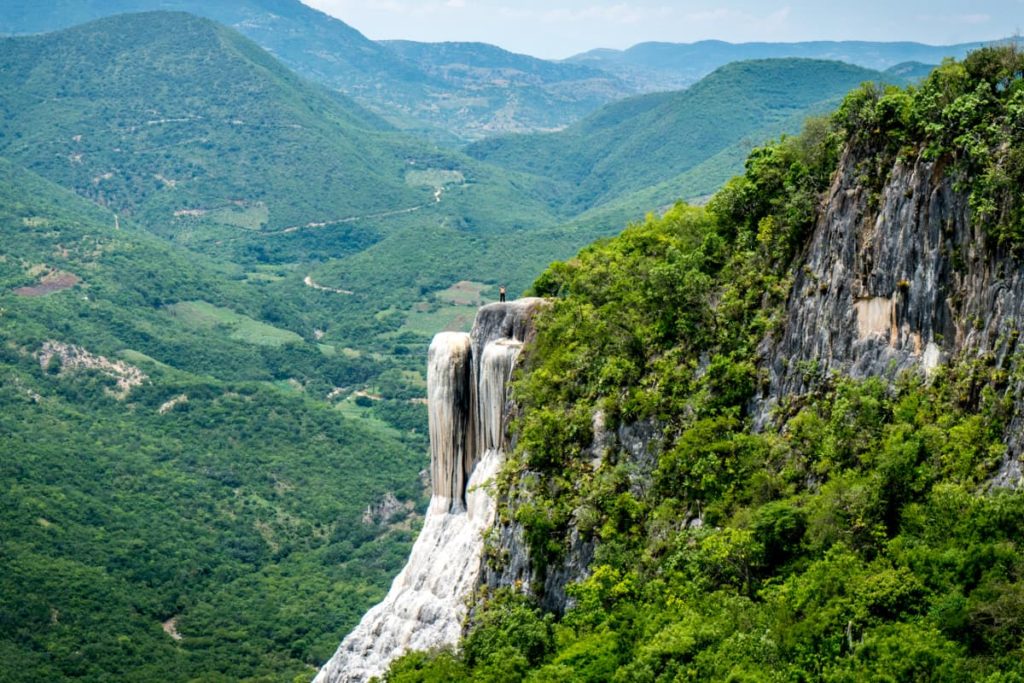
x,y
467,402
904,281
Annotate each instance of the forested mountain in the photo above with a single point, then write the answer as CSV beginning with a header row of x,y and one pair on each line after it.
x,y
495,91
706,130
672,66
778,437
311,42
155,114
179,500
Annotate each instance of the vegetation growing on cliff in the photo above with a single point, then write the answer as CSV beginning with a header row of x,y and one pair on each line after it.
x,y
856,542
969,114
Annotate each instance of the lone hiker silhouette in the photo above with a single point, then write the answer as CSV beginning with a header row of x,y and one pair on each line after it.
x,y
501,293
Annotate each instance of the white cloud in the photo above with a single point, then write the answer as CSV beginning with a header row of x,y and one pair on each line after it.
x,y
956,19
620,13
737,19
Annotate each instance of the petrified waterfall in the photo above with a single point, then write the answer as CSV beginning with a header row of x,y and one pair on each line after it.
x,y
450,407
467,379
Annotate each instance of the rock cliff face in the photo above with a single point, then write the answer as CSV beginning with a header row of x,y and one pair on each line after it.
x,y
899,280
510,564
893,279
467,377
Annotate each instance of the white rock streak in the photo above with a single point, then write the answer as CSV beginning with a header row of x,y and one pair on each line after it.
x,y
499,358
426,605
449,409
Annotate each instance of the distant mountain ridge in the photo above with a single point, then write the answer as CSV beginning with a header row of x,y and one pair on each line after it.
x,y
463,91
634,144
525,93
403,85
670,66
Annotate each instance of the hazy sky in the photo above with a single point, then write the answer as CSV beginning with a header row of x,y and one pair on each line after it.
x,y
559,28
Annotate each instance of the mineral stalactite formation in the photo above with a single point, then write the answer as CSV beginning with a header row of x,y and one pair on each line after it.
x,y
467,396
450,403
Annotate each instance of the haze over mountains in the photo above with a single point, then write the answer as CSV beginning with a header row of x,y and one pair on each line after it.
x,y
463,90
671,66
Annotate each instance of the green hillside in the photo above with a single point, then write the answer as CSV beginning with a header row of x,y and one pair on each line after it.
x,y
634,144
858,536
167,456
312,43
447,91
154,114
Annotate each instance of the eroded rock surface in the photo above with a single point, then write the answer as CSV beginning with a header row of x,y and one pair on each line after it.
x,y
901,280
467,394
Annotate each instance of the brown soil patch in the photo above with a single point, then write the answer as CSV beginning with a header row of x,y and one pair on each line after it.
x,y
170,627
50,283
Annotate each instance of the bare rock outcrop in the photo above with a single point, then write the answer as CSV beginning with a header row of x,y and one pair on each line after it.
x,y
467,395
899,280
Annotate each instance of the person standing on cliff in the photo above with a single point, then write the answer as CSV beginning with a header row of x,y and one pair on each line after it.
x,y
501,293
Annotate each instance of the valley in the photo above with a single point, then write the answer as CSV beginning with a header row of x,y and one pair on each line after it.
x,y
230,231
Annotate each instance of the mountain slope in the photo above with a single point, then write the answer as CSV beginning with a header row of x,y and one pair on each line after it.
x,y
158,113
164,468
669,66
401,82
636,143
508,92
313,43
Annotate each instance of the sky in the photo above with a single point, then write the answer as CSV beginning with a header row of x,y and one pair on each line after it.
x,y
560,28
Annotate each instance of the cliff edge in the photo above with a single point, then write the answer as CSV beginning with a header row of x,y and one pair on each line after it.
x,y
467,393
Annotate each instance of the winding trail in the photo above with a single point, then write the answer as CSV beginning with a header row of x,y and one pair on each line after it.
x,y
310,282
316,225
339,221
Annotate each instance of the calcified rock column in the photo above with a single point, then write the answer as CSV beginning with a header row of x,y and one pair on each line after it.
x,y
449,406
467,380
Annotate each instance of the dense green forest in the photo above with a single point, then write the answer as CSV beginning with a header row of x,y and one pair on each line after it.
x,y
215,486
217,283
856,541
